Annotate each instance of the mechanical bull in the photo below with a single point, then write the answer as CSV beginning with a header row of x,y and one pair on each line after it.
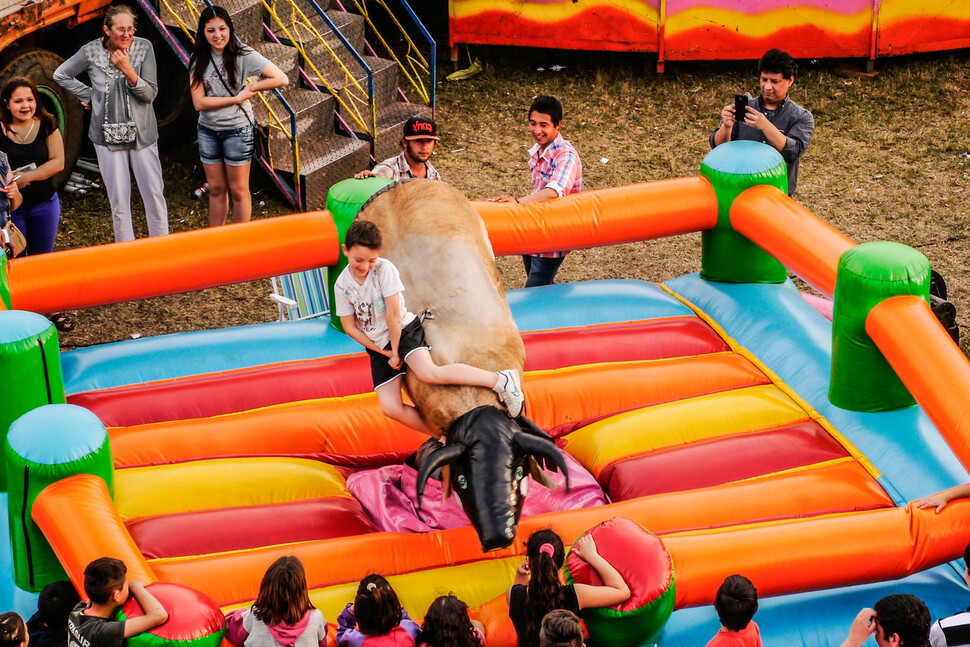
x,y
439,244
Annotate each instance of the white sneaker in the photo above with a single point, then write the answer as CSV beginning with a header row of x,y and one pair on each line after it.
x,y
511,394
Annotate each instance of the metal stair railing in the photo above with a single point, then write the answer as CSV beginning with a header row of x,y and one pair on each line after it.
x,y
355,95
419,71
291,193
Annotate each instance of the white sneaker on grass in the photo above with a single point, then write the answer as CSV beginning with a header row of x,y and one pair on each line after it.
x,y
511,394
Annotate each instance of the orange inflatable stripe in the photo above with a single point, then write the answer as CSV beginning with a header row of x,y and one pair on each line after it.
x,y
604,217
819,553
79,521
795,236
192,260
354,425
890,325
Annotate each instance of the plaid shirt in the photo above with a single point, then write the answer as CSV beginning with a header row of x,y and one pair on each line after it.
x,y
559,169
396,168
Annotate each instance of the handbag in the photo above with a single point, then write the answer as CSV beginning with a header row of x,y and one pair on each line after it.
x,y
13,240
259,146
121,131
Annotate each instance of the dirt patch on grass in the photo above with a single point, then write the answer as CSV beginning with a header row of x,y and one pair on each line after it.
x,y
881,166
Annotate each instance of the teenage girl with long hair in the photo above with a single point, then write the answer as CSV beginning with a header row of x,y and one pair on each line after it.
x,y
538,587
376,618
282,615
219,70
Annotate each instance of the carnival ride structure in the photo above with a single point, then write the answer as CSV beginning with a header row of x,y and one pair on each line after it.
x,y
719,410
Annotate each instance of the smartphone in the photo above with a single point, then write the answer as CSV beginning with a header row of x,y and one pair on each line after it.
x,y
740,103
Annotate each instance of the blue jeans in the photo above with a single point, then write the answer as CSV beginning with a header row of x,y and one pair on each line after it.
x,y
39,224
541,271
230,147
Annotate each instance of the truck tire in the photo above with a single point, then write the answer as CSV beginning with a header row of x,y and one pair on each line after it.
x,y
38,65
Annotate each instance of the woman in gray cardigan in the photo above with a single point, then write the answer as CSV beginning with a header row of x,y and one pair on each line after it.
x,y
122,72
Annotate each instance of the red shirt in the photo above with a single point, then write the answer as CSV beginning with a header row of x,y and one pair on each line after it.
x,y
750,636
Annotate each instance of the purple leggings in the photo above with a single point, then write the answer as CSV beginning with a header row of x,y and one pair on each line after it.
x,y
39,224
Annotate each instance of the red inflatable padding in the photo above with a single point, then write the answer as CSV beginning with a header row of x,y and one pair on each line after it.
x,y
226,529
720,460
192,615
216,394
639,556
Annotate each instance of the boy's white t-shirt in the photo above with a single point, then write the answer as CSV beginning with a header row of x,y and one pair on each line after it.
x,y
366,302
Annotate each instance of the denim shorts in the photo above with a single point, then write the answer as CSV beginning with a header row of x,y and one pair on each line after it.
x,y
230,147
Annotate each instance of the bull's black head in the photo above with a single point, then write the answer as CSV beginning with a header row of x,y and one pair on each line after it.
x,y
490,457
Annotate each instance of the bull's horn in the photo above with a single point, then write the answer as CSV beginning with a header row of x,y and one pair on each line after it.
x,y
544,449
529,427
437,458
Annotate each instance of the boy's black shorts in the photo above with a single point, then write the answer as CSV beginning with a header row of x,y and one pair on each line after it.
x,y
412,338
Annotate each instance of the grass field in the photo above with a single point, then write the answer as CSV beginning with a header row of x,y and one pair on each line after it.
x,y
890,161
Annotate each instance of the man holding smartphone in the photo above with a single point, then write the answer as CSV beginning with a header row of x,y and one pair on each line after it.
x,y
771,118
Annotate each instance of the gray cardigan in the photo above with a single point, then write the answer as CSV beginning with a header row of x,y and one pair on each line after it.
x,y
93,59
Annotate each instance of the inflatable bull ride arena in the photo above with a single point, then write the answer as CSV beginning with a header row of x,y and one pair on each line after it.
x,y
722,422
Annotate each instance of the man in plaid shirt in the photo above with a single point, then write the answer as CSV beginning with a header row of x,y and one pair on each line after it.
x,y
556,171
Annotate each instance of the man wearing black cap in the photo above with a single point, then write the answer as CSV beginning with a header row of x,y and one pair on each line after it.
x,y
420,135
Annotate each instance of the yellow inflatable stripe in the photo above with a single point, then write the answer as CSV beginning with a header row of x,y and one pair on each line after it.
x,y
767,23
222,483
682,421
552,12
896,10
475,583
801,468
818,418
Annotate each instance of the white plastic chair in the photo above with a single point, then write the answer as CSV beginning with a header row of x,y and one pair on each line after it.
x,y
301,295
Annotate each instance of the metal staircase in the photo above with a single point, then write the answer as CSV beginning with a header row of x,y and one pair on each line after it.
x,y
342,109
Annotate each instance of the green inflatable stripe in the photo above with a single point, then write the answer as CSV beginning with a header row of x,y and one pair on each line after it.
x,y
4,282
344,200
726,255
148,639
31,362
862,379
638,628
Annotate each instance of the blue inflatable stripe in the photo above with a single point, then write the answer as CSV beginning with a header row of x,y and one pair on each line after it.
x,y
792,339
212,351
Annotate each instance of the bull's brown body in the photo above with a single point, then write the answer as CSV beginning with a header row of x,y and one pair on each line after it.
x,y
439,244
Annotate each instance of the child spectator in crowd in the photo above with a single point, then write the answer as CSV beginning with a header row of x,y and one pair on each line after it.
x,y
282,615
954,631
897,619
538,587
48,627
375,618
107,586
13,631
736,604
370,303
561,628
447,625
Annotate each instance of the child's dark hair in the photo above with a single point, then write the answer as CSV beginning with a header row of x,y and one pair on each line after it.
x,y
283,595
561,628
104,576
547,106
905,615
363,233
966,555
447,625
377,606
13,629
736,602
55,603
202,52
776,61
546,555
109,19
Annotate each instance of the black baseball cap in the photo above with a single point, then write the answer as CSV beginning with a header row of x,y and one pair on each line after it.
x,y
420,128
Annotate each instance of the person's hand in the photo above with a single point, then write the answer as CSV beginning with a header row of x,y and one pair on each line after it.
x,y
12,190
363,174
394,361
522,570
245,94
23,180
863,626
120,59
86,105
755,118
938,501
727,115
502,198
585,548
